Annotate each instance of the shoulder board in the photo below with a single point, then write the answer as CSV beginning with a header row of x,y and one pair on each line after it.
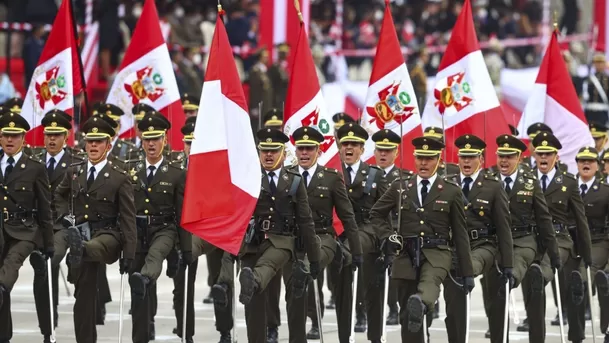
x,y
569,175
528,174
176,165
119,170
330,170
603,184
451,182
36,159
289,170
374,167
491,177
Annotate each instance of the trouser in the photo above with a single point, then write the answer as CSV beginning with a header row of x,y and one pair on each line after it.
x,y
41,285
224,315
428,288
102,249
178,298
273,312
392,297
265,264
14,253
103,293
298,308
483,259
149,262
600,258
371,289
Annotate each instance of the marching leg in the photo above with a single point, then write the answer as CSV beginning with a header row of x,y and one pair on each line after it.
x,y
51,307
384,304
353,305
120,309
559,300
184,312
318,307
592,308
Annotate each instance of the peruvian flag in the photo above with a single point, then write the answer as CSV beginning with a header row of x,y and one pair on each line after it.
x,y
464,99
146,75
56,78
275,28
305,105
219,200
391,103
553,101
600,21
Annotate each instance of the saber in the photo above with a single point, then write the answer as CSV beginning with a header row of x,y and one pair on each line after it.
x,y
385,300
120,309
468,302
184,301
592,307
51,305
562,330
234,335
65,282
353,303
425,337
508,296
318,306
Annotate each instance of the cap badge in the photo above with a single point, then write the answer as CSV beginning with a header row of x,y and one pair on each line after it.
x,y
305,137
468,146
269,140
544,143
53,124
425,147
150,128
11,124
385,140
432,131
94,130
506,145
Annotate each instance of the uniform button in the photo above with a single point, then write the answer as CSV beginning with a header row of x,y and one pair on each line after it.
x,y
273,198
271,209
321,195
22,188
422,209
164,191
147,200
146,211
86,216
350,191
422,222
5,198
86,206
149,189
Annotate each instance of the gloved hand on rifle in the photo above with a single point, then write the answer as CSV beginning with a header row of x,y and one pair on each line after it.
x,y
555,262
68,221
468,284
314,269
187,258
125,265
508,276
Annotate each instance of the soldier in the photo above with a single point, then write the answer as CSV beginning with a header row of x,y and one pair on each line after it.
x,y
599,133
279,75
418,75
139,111
261,89
419,253
100,196
596,91
595,195
365,185
326,192
445,168
385,154
605,164
26,220
273,119
569,220
57,159
190,104
14,105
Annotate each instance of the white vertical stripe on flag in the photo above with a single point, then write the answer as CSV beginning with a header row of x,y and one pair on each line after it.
x,y
90,50
306,13
606,27
280,17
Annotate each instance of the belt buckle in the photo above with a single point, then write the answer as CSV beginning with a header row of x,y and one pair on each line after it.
x,y
421,242
5,216
148,220
474,234
266,225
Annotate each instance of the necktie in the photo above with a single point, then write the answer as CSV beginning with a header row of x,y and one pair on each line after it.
x,y
348,176
91,177
51,167
466,182
272,184
584,188
507,181
305,175
9,168
424,190
544,182
150,174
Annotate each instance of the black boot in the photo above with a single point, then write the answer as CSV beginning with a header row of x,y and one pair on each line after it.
x,y
361,324
77,246
602,282
225,337
219,294
331,304
487,334
208,299
152,335
47,339
248,285
313,333
577,288
272,335
524,327
416,312
138,283
393,317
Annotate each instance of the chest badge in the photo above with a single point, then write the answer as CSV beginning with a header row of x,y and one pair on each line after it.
x,y
63,165
529,186
320,175
559,180
22,165
564,188
106,175
164,169
285,177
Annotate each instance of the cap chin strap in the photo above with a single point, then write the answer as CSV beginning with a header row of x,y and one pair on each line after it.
x,y
103,156
554,162
517,163
279,159
435,170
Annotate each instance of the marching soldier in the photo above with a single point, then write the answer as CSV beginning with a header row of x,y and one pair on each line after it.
x,y
532,132
445,168
273,119
120,147
190,104
599,133
112,158
605,164
279,75
27,221
596,91
569,220
326,192
14,105
57,159
100,196
261,89
419,253
595,195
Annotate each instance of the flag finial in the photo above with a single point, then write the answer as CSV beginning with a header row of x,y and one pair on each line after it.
x,y
220,10
297,6
555,20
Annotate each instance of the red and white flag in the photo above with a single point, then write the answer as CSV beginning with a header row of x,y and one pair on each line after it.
x,y
146,75
304,103
275,28
56,78
553,101
464,96
391,103
601,18
224,175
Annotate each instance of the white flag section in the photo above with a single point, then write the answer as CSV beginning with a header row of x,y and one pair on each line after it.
x,y
150,80
50,88
314,114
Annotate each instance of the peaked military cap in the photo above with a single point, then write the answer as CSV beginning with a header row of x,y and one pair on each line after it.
x,y
341,118
509,145
271,139
433,131
273,117
605,156
111,111
427,146
97,128
188,129
597,130
13,124
113,123
536,128
546,142
470,145
190,102
154,125
598,57
352,132
140,110
96,106
14,104
587,153
307,136
386,139
56,122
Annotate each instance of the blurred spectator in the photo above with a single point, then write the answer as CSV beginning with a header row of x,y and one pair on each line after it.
x,y
261,89
494,64
185,22
32,49
278,74
191,73
109,35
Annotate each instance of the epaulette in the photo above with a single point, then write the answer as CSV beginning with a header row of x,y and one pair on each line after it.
x,y
330,170
35,159
291,167
119,169
176,165
451,182
491,177
292,171
569,175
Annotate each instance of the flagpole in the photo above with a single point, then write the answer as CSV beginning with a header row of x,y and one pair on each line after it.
x,y
83,82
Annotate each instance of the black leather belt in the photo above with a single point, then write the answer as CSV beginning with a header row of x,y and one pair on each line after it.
x,y
427,242
102,224
22,215
269,226
560,228
480,233
153,220
323,223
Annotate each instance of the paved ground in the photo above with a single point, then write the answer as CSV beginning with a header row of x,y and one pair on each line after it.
x,y
26,326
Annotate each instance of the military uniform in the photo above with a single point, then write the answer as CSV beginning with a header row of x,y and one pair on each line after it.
x,y
326,191
190,105
420,253
104,210
445,168
27,221
55,122
596,105
489,227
